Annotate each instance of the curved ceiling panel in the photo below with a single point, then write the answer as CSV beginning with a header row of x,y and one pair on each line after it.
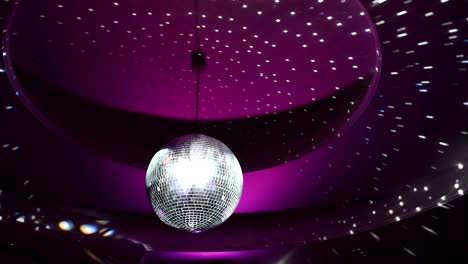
x,y
263,57
283,91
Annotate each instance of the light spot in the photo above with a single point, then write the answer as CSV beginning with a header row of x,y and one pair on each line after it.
x,y
66,225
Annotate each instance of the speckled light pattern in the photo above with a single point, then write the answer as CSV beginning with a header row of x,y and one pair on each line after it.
x,y
194,183
294,82
263,56
413,135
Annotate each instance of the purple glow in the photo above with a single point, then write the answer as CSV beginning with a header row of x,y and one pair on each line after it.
x,y
221,255
251,71
277,188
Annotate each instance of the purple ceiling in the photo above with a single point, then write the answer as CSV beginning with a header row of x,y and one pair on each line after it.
x,y
406,154
263,56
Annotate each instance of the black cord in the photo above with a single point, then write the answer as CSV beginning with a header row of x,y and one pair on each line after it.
x,y
197,48
198,95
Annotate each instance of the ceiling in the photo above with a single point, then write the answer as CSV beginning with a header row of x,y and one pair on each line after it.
x,y
135,55
95,96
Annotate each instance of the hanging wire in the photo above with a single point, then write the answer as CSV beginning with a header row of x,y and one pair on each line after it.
x,y
197,27
197,48
198,95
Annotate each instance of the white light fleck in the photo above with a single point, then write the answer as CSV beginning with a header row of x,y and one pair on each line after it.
x,y
376,237
429,230
409,251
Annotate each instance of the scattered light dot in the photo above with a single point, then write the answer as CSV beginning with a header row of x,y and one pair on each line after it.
x,y
66,225
88,229
443,144
109,233
402,13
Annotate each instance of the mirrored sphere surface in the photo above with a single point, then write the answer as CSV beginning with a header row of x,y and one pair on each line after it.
x,y
194,183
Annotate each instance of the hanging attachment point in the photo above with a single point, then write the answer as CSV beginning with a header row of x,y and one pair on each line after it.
x,y
198,61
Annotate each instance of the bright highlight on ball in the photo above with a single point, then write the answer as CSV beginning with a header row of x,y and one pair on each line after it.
x,y
194,183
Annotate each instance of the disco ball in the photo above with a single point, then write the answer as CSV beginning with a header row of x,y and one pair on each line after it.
x,y
194,183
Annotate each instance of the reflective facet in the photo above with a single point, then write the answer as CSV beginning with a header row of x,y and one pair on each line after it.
x,y
194,183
